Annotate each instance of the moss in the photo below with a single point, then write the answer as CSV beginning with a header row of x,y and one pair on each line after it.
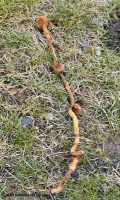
x,y
24,138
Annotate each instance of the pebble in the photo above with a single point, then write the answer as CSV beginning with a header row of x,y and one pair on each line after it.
x,y
27,121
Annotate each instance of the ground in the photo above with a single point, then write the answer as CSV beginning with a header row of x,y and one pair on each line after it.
x,y
36,131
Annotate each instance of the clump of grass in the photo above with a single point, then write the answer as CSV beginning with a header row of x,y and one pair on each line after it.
x,y
29,170
93,188
10,8
77,17
17,40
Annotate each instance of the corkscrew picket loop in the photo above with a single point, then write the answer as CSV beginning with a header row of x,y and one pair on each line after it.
x,y
42,23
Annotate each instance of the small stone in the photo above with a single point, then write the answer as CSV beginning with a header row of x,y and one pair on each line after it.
x,y
27,121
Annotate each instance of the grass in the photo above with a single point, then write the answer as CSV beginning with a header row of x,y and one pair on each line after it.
x,y
34,157
14,7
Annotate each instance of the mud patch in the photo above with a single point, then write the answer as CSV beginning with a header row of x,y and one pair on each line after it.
x,y
112,147
113,31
